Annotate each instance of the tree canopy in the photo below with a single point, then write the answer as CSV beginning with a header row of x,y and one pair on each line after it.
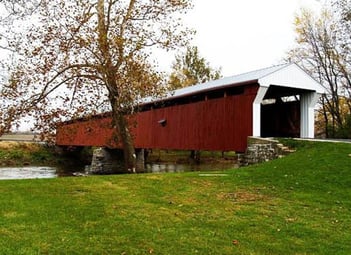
x,y
72,58
324,50
190,68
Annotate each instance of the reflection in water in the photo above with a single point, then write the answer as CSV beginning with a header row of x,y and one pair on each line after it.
x,y
165,168
28,172
174,168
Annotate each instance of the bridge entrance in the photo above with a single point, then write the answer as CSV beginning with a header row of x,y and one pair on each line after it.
x,y
281,112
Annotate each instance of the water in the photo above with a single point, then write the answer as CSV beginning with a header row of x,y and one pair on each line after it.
x,y
27,172
173,168
41,172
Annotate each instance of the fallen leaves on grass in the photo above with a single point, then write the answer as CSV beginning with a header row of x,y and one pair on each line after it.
x,y
235,242
242,196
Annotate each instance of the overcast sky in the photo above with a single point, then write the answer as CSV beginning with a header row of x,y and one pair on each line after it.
x,y
244,35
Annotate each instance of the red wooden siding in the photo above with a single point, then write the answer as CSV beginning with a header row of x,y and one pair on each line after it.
x,y
221,124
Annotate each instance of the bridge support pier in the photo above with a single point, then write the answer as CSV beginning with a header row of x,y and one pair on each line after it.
x,y
111,161
140,160
106,161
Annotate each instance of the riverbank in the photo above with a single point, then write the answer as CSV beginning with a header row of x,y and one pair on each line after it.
x,y
24,157
19,153
299,204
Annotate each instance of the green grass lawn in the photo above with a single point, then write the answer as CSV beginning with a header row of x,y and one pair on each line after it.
x,y
300,204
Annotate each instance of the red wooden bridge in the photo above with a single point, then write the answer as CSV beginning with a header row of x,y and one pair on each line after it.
x,y
217,116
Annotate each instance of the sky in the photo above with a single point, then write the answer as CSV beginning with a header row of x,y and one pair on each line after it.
x,y
243,35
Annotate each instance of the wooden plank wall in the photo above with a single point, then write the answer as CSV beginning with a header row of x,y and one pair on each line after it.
x,y
221,124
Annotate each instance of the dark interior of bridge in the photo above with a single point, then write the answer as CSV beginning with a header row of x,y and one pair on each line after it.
x,y
280,112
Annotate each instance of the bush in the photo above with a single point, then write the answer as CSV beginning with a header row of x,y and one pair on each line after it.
x,y
26,153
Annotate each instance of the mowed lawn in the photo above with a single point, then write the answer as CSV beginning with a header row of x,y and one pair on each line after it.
x,y
300,204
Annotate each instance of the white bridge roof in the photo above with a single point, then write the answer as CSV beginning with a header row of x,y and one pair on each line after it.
x,y
286,75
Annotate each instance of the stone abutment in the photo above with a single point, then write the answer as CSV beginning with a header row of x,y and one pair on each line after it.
x,y
261,150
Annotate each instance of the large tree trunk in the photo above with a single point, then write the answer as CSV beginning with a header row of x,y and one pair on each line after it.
x,y
126,140
124,136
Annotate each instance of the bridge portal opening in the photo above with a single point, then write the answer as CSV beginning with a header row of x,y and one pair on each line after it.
x,y
281,112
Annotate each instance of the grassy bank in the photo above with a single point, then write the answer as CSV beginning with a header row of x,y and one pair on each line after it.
x,y
40,154
300,204
26,153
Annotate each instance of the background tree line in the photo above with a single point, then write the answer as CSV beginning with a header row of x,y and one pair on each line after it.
x,y
323,49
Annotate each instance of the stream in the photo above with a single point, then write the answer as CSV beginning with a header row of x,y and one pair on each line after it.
x,y
41,172
27,172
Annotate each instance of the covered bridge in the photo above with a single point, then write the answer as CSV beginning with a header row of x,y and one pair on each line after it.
x,y
217,115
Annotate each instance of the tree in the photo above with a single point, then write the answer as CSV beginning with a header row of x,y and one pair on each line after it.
x,y
190,69
77,58
323,50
